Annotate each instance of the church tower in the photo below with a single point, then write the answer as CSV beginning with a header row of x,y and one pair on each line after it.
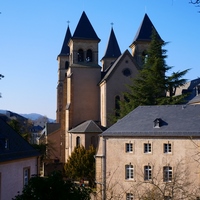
x,y
63,65
81,93
142,40
112,51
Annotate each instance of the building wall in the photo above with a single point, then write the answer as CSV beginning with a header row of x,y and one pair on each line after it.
x,y
12,176
183,150
54,143
116,85
85,94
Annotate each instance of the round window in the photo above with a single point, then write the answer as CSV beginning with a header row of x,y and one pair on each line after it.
x,y
126,72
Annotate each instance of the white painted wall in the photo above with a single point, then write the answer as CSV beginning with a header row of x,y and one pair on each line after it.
x,y
12,176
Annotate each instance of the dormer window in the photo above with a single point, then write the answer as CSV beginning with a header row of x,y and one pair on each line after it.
x,y
80,55
89,55
157,123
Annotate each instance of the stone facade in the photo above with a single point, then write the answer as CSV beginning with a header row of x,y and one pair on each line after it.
x,y
146,150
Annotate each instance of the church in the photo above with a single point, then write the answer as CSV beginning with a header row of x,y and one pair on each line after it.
x,y
88,94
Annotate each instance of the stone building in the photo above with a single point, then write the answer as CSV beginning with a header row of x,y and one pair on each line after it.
x,y
154,150
87,93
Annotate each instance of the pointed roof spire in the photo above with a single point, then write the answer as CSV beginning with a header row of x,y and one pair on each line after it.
x,y
65,48
144,32
112,49
84,29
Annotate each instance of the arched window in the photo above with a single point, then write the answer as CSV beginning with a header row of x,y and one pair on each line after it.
x,y
144,56
80,55
66,65
78,141
89,55
117,106
93,141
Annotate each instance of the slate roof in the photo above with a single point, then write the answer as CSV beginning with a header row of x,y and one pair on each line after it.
x,y
112,50
176,120
87,127
18,147
144,32
65,48
84,29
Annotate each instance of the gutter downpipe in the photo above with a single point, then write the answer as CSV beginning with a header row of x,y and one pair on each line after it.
x,y
104,170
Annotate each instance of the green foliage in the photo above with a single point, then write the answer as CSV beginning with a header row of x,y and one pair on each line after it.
x,y
51,188
152,86
81,165
22,128
1,76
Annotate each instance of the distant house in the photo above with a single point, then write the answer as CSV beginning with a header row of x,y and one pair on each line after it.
x,y
192,88
151,145
18,162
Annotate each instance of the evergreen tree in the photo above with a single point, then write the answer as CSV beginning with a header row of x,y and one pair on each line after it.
x,y
51,188
152,86
81,165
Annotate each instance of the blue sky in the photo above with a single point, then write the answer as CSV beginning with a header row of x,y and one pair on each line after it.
x,y
32,33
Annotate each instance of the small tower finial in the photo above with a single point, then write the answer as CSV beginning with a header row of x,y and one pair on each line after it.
x,y
68,22
112,24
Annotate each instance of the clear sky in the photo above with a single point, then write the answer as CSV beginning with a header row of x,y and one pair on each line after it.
x,y
32,33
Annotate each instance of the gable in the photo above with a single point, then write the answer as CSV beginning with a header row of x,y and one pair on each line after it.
x,y
125,61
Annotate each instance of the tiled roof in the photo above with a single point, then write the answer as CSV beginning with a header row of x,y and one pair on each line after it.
x,y
176,120
65,48
112,50
87,127
144,32
84,29
18,147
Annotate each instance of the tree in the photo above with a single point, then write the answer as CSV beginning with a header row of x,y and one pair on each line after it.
x,y
177,187
1,76
81,165
195,1
152,84
53,187
22,128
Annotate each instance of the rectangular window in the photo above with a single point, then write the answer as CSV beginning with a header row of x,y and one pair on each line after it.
x,y
147,147
129,147
129,196
167,148
147,172
26,175
129,171
167,174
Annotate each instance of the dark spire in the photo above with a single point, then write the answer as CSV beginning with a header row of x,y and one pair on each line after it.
x,y
84,29
112,50
144,32
65,48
